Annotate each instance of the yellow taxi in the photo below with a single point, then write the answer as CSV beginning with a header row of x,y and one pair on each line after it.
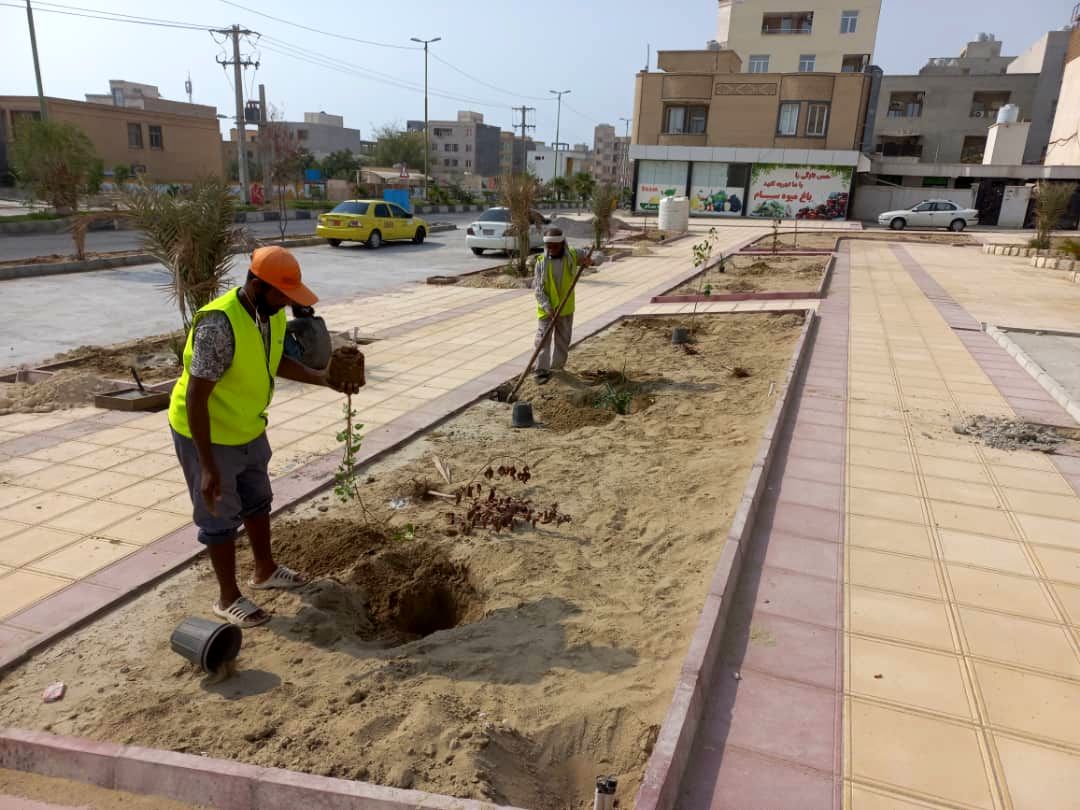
x,y
371,222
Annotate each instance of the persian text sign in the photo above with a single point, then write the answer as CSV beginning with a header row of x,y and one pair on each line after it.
x,y
802,192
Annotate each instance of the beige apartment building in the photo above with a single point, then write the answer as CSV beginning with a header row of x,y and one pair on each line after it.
x,y
1064,146
737,144
611,156
163,147
789,36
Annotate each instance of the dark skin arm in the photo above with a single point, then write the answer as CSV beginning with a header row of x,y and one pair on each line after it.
x,y
290,369
198,408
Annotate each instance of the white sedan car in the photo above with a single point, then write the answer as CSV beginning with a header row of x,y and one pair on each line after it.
x,y
489,232
931,214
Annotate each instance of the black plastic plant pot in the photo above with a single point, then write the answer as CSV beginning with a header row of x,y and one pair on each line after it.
x,y
680,335
522,415
209,644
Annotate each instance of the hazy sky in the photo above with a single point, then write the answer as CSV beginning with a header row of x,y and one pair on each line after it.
x,y
517,49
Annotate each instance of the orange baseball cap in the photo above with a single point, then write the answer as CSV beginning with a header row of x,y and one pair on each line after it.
x,y
280,269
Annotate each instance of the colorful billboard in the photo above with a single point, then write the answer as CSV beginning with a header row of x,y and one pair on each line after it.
x,y
718,189
799,192
658,179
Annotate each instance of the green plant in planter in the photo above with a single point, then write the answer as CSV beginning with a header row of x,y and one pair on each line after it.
x,y
616,399
702,255
346,481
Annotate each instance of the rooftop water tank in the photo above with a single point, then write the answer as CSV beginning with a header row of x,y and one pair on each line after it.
x,y
1009,114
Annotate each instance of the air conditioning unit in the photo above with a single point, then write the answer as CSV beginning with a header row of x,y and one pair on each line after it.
x,y
978,114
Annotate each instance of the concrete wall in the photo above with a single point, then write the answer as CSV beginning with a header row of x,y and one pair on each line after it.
x,y
744,108
744,32
1064,146
191,144
1046,58
946,114
322,139
873,200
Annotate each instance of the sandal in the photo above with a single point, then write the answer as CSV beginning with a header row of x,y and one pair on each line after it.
x,y
243,613
283,579
543,377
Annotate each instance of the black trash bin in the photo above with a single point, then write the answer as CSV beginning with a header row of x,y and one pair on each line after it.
x,y
207,643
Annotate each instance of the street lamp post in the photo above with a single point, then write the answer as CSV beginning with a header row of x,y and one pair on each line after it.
x,y
427,128
558,119
624,155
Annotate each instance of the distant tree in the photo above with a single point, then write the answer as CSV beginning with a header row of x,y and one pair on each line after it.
x,y
518,193
602,203
307,160
95,176
286,165
395,145
559,187
56,161
121,174
340,165
584,184
1051,205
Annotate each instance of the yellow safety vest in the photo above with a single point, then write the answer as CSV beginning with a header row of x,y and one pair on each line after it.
x,y
240,398
555,295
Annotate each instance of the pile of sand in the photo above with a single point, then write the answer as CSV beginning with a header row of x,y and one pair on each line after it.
x,y
65,389
1003,433
155,358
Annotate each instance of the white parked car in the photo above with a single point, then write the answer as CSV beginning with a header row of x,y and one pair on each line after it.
x,y
489,232
931,214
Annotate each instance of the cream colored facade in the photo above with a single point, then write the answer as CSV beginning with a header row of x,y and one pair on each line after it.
x,y
777,36
1064,146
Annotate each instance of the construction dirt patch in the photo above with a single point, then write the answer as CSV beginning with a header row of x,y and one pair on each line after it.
x,y
433,651
1002,433
758,274
826,240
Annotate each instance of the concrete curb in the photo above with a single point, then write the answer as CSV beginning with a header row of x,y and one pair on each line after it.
x,y
205,781
1048,383
667,765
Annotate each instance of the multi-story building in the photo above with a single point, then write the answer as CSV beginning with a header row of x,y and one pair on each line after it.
x,y
543,159
135,96
512,151
762,144
789,36
463,148
1064,146
160,146
321,133
611,161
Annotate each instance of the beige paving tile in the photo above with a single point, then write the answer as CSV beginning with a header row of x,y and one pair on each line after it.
x,y
1018,478
1038,776
179,504
885,505
1020,641
21,588
893,442
883,480
113,436
1038,705
1065,507
33,542
944,448
159,440
100,484
105,457
175,474
53,477
145,527
890,572
65,451
1069,597
41,508
919,678
148,492
148,465
893,747
875,425
1059,564
83,558
888,535
1050,531
1003,592
866,798
975,519
985,552
11,494
1024,459
952,468
92,517
14,468
10,527
951,489
918,621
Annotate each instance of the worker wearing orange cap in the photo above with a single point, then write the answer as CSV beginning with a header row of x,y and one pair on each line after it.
x,y
218,417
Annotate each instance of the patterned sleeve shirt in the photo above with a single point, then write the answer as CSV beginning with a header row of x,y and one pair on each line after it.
x,y
213,345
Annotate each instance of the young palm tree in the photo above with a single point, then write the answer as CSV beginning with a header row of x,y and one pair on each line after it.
x,y
604,199
192,236
518,193
1051,204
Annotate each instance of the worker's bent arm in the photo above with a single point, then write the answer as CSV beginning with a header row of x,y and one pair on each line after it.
x,y
198,410
296,371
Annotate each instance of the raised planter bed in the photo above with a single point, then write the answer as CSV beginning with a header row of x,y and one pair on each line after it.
x,y
760,295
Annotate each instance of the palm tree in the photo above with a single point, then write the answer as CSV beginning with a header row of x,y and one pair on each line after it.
x,y
584,183
192,235
604,200
518,193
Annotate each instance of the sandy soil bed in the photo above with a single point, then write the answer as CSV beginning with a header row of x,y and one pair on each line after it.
x,y
514,666
758,274
827,239
78,795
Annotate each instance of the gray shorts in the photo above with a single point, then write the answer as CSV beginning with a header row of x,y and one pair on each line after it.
x,y
245,486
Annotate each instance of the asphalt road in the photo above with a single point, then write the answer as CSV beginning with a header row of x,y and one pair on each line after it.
x,y
52,314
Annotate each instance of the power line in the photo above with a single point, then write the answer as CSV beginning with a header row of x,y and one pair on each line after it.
x,y
486,84
109,16
320,31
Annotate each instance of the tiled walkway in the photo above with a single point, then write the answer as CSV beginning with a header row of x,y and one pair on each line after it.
x,y
93,504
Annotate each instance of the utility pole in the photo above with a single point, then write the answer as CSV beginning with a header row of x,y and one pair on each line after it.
x,y
238,85
524,129
266,153
558,120
37,65
624,155
427,126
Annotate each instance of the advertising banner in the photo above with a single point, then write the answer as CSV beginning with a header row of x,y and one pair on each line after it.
x,y
799,192
714,191
658,179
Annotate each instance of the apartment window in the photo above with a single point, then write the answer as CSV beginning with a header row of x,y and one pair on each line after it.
x,y
455,147
468,147
792,22
135,136
446,162
905,104
453,162
849,21
686,120
118,97
442,132
446,147
468,164
301,134
807,62
817,119
789,119
156,140
854,62
987,104
759,64
973,149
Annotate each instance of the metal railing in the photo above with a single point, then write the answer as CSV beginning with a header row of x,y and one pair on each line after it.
x,y
806,29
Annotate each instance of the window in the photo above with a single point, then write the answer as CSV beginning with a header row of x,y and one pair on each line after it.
x,y
455,147
759,64
944,206
118,97
468,164
854,62
156,140
923,207
399,212
849,21
351,208
817,119
442,132
382,210
453,162
686,120
907,104
973,148
446,147
301,134
807,62
495,215
987,104
446,162
468,147
135,136
791,22
789,119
